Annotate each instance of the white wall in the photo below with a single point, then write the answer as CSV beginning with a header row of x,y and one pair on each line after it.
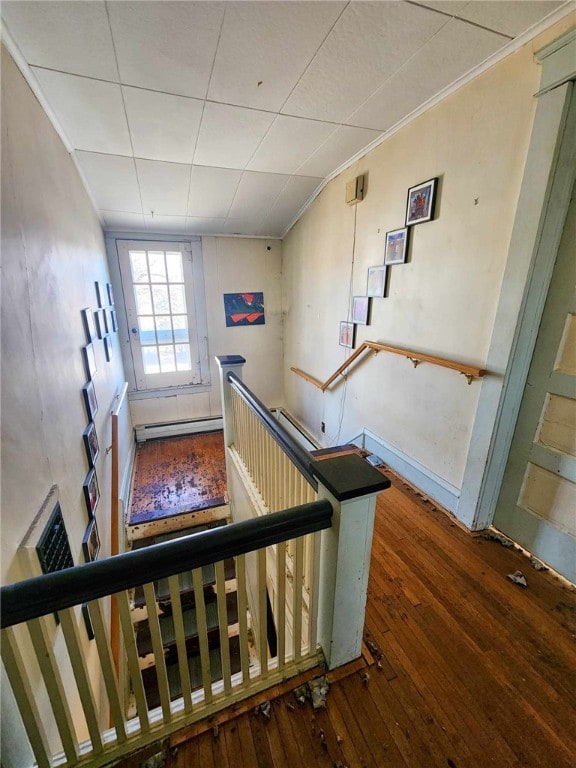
x,y
231,265
52,252
443,302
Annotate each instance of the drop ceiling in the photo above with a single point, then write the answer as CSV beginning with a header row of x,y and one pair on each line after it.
x,y
227,117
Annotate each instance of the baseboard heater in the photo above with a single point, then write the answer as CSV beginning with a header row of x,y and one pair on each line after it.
x,y
176,428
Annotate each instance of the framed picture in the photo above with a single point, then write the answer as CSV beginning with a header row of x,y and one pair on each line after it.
x,y
347,333
91,542
90,437
244,309
101,323
376,281
89,394
108,347
101,294
113,321
421,202
361,310
91,493
89,325
109,294
396,248
89,360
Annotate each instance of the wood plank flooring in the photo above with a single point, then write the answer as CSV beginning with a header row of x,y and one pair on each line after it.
x,y
177,475
472,669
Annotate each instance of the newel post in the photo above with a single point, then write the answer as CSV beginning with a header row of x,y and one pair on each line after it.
x,y
228,363
351,485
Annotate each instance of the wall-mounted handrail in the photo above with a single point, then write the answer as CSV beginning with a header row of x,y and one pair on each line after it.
x,y
295,452
471,372
56,591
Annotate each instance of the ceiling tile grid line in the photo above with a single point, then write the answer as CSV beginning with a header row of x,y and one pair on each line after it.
x,y
184,115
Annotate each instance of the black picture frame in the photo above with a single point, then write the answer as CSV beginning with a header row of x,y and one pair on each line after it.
x,y
101,294
90,401
91,493
421,202
376,281
396,246
87,621
101,323
110,294
347,336
108,348
113,320
89,357
361,310
91,445
91,542
89,324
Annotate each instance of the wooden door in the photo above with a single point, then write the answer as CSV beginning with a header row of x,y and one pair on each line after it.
x,y
537,503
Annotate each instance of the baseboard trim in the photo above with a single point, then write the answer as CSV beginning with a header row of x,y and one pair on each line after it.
x,y
445,494
174,429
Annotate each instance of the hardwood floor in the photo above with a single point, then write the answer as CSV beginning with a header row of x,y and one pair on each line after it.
x,y
473,670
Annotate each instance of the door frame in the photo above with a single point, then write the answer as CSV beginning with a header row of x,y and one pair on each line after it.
x,y
545,192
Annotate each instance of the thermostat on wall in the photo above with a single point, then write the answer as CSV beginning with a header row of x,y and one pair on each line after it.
x,y
355,190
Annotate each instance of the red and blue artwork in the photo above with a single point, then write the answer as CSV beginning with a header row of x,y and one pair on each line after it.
x,y
244,309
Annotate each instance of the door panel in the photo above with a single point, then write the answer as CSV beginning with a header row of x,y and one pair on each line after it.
x,y
537,503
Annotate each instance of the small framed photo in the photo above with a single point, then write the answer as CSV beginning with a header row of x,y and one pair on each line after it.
x,y
361,310
91,493
108,347
89,360
91,444
377,281
90,401
89,325
101,323
347,333
109,294
91,542
101,294
421,202
396,248
113,321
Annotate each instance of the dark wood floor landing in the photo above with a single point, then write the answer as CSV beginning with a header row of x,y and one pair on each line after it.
x,y
178,475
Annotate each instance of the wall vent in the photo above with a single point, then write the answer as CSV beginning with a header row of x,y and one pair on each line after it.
x,y
177,428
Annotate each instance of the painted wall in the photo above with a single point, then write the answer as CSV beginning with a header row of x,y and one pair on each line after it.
x,y
231,265
442,302
52,252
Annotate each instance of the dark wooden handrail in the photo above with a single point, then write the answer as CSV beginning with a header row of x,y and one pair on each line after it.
x,y
298,455
53,592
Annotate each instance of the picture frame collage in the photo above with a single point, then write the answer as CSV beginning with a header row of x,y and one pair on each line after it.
x,y
420,208
99,324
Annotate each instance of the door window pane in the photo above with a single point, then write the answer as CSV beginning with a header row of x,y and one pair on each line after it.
x,y
150,360
157,266
147,331
177,299
180,325
164,329
143,299
160,297
183,362
139,266
174,264
167,361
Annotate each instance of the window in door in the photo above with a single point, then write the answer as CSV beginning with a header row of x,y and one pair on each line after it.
x,y
163,304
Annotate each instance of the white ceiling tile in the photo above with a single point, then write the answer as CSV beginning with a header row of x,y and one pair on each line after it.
x,y
242,226
288,143
509,17
340,147
126,222
296,192
162,127
164,187
256,194
265,47
197,225
58,36
456,49
229,135
166,46
90,112
446,6
212,191
368,44
171,225
112,181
